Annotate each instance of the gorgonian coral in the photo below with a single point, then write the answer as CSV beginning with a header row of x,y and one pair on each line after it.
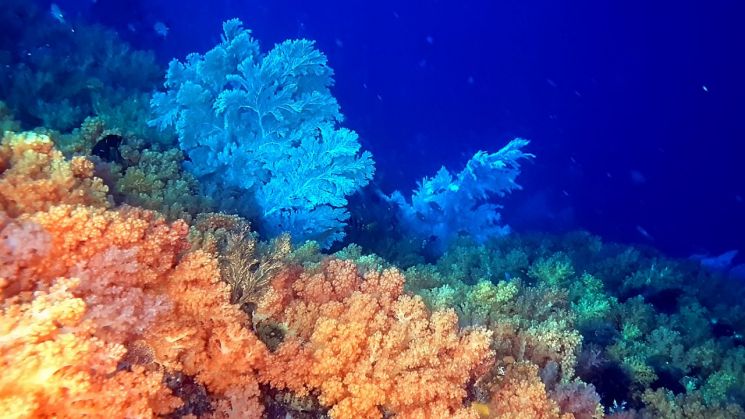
x,y
260,131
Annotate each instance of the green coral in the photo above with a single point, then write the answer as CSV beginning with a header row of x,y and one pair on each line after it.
x,y
611,293
589,300
483,286
478,304
58,77
469,262
663,403
364,262
156,181
656,275
307,254
554,271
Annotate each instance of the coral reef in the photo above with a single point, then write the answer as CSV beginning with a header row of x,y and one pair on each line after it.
x,y
138,171
123,295
113,309
581,305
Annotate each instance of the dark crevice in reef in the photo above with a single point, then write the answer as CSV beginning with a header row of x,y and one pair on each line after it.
x,y
284,404
196,400
107,149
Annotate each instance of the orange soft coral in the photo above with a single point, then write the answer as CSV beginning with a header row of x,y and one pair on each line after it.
x,y
76,237
34,176
98,345
55,365
63,339
136,290
520,394
367,347
206,337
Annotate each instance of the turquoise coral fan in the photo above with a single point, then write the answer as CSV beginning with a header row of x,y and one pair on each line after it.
x,y
446,206
261,134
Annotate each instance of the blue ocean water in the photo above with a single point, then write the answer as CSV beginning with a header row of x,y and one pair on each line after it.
x,y
584,156
633,108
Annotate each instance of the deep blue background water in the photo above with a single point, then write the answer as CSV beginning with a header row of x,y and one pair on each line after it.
x,y
635,109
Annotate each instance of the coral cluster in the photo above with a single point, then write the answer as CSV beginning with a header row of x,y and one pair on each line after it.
x,y
138,171
56,74
364,345
99,305
261,134
446,206
98,297
107,310
112,310
637,326
35,175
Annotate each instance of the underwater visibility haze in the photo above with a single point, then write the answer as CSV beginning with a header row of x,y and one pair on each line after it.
x,y
392,209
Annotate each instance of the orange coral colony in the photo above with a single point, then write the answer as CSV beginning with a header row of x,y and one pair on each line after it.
x,y
112,312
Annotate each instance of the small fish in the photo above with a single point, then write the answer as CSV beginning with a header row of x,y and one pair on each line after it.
x,y
705,89
56,13
641,230
161,29
430,40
